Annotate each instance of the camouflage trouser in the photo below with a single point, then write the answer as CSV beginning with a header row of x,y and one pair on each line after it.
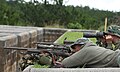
x,y
24,64
36,59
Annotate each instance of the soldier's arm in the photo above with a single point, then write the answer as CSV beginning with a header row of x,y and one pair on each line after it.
x,y
109,46
112,39
107,42
116,42
117,45
75,60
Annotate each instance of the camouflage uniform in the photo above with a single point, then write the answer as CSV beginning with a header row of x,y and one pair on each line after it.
x,y
31,59
25,61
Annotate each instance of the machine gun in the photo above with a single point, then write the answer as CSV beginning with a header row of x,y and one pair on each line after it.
x,y
61,51
54,51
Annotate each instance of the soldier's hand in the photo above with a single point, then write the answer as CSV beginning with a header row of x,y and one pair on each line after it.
x,y
115,39
109,39
58,65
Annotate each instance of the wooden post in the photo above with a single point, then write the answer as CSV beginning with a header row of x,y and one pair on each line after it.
x,y
105,28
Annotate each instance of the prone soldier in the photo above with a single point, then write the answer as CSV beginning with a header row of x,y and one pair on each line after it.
x,y
89,55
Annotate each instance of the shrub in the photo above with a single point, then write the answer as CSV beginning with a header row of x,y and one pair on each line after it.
x,y
74,26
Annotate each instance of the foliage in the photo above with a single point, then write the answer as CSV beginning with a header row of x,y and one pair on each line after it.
x,y
74,26
101,28
35,13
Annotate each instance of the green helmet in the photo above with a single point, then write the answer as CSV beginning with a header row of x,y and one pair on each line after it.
x,y
80,41
45,60
114,29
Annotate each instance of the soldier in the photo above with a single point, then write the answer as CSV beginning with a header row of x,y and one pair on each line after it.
x,y
28,59
87,54
43,58
113,38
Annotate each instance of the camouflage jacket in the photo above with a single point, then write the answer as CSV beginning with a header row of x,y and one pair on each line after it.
x,y
112,46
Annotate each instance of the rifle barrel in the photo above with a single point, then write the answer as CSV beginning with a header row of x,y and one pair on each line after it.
x,y
33,50
47,43
52,47
18,48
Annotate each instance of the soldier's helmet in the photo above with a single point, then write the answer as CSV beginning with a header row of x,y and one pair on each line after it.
x,y
45,60
114,29
80,41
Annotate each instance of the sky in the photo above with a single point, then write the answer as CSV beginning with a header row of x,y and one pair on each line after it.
x,y
110,5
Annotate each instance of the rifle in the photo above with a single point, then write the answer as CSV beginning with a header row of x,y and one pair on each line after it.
x,y
54,52
61,51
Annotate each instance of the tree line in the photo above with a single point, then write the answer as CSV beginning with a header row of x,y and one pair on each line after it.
x,y
43,13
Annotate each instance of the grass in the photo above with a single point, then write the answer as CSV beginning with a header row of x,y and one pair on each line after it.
x,y
72,36
40,66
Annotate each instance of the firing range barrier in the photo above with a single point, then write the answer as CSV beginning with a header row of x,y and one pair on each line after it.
x,y
18,36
